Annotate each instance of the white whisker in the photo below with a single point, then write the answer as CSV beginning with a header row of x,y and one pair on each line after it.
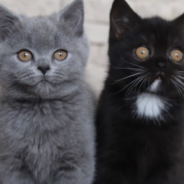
x,y
133,69
179,81
126,78
134,65
142,83
133,86
180,77
178,87
135,80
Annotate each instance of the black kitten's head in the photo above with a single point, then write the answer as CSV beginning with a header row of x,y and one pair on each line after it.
x,y
146,55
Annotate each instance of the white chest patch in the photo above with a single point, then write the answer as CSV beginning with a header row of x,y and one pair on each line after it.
x,y
149,106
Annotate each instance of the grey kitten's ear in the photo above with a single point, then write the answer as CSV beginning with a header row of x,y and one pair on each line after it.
x,y
7,20
122,19
73,16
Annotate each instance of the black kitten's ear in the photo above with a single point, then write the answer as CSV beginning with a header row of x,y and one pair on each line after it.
x,y
178,23
7,20
122,19
73,16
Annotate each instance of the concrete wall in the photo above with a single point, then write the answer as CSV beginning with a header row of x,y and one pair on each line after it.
x,y
97,24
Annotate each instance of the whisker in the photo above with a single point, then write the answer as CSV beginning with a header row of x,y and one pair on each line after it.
x,y
179,85
148,79
180,72
178,76
27,75
134,64
142,83
143,80
134,69
128,85
178,88
133,86
179,81
126,78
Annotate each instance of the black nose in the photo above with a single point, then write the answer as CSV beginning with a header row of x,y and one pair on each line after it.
x,y
161,65
44,68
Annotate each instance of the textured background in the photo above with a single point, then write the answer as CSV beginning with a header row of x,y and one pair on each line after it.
x,y
97,24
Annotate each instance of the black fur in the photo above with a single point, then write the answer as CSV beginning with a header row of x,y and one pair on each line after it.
x,y
133,149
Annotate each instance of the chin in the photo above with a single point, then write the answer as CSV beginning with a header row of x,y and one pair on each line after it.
x,y
41,90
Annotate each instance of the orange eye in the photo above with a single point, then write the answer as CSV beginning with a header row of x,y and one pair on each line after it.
x,y
25,56
60,55
176,55
142,53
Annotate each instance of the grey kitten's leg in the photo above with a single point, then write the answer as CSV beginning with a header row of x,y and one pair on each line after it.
x,y
78,174
12,171
17,177
74,177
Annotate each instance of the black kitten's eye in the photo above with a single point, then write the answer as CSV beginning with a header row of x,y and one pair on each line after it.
x,y
176,55
142,53
25,56
60,55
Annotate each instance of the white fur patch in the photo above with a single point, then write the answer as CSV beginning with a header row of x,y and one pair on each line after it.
x,y
150,105
155,86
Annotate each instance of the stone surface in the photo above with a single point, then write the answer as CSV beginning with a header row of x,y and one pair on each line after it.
x,y
97,25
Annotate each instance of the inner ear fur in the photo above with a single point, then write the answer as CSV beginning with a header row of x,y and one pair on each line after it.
x,y
122,19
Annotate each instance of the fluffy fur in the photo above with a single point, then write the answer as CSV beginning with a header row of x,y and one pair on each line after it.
x,y
46,121
150,106
140,115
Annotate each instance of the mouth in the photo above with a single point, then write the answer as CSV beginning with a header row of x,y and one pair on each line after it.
x,y
43,81
159,75
39,81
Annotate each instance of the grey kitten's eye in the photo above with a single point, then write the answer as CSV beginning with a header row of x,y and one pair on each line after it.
x,y
60,55
25,56
176,55
142,53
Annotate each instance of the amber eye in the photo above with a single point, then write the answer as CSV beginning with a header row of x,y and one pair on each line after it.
x,y
176,55
142,53
24,56
60,55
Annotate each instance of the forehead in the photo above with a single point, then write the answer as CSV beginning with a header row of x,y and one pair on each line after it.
x,y
160,32
39,33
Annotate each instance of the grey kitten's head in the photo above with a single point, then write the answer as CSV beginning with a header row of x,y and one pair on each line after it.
x,y
42,57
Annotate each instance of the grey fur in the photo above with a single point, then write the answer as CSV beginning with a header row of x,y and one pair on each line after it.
x,y
46,123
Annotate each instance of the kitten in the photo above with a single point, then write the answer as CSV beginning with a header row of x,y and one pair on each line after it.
x,y
46,109
140,116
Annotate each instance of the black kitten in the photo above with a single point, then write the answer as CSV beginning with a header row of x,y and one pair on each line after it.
x,y
140,116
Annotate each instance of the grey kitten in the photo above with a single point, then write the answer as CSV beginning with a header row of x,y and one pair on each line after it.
x,y
46,109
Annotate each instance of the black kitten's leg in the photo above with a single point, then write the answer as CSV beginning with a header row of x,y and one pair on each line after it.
x,y
157,180
107,175
173,175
